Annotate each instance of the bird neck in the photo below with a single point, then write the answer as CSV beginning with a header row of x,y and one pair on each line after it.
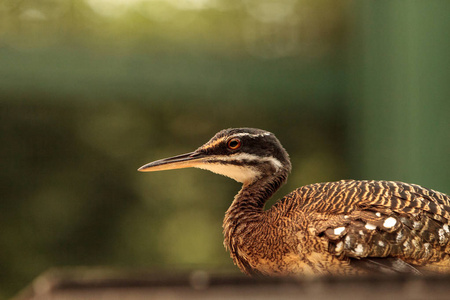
x,y
248,204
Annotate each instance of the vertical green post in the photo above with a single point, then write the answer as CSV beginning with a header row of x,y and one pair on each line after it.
x,y
400,103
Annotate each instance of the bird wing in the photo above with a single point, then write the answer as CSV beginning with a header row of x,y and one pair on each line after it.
x,y
367,220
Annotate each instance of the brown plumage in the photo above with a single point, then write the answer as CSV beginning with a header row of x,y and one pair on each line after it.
x,y
347,227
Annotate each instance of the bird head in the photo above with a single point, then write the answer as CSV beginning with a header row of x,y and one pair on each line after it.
x,y
243,154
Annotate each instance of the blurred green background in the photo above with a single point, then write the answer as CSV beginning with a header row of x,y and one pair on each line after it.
x,y
92,89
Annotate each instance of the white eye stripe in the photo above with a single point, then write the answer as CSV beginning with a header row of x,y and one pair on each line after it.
x,y
212,144
250,134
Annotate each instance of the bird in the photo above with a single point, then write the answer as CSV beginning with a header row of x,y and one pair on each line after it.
x,y
346,227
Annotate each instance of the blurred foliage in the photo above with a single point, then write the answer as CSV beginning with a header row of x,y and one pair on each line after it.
x,y
400,126
91,90
232,28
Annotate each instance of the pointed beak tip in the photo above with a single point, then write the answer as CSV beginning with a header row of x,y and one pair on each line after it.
x,y
143,168
187,160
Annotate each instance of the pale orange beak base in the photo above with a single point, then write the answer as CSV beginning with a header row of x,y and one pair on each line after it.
x,y
187,160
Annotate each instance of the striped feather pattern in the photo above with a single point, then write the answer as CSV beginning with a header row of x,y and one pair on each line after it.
x,y
348,227
364,219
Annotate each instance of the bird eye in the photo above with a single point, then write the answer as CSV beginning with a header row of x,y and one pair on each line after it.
x,y
234,144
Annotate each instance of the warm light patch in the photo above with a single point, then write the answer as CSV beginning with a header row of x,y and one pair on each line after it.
x,y
119,7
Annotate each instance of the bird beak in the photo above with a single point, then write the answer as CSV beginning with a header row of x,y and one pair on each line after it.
x,y
188,160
